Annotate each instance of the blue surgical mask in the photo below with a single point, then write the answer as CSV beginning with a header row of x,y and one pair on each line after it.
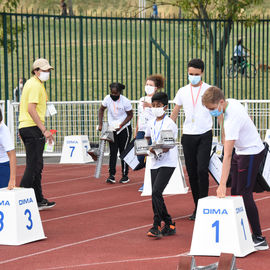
x,y
194,79
216,112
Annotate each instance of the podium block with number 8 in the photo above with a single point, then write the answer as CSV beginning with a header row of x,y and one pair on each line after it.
x,y
19,217
221,226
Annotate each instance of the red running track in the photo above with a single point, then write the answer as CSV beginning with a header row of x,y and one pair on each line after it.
x,y
95,225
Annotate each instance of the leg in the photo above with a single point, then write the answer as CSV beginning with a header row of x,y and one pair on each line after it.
x,y
34,144
203,157
190,145
160,178
113,156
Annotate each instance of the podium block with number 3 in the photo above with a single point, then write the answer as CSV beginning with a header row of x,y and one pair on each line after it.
x,y
221,226
19,217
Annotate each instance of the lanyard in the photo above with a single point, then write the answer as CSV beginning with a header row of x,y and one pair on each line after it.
x,y
194,104
156,137
116,110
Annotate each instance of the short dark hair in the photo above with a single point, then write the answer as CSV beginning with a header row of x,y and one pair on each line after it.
x,y
196,63
33,71
118,86
161,97
1,116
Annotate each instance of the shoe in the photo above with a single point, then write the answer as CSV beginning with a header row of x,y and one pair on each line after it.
x,y
140,189
111,180
193,216
124,180
45,204
154,232
168,229
260,242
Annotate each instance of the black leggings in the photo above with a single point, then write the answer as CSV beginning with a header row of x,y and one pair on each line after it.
x,y
121,141
160,178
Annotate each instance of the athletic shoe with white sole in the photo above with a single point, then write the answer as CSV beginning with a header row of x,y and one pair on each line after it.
x,y
260,242
124,180
45,204
110,180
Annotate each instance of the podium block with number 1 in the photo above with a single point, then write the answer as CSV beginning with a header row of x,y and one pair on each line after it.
x,y
221,226
19,217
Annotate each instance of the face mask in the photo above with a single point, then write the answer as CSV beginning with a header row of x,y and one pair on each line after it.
x,y
44,76
194,79
114,98
20,85
149,90
158,112
216,112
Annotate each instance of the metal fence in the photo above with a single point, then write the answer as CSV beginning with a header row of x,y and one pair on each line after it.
x,y
81,118
88,53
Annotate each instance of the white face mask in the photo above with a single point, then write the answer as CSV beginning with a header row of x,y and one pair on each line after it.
x,y
149,90
158,112
44,76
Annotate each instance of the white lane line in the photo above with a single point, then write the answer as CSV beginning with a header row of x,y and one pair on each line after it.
x,y
120,261
80,242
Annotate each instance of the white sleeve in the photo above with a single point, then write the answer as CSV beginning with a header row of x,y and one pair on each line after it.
x,y
8,144
177,100
127,105
148,131
232,130
172,126
105,101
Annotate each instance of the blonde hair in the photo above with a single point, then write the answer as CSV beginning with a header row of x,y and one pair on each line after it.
x,y
158,80
212,95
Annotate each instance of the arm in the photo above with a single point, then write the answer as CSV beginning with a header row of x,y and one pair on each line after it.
x,y
226,166
175,112
12,162
220,122
100,117
127,119
34,115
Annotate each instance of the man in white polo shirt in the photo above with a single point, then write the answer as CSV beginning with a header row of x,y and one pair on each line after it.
x,y
197,131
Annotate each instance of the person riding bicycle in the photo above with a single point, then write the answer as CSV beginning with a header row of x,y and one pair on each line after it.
x,y
240,53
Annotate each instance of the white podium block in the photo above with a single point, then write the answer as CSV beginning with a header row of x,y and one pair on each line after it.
x,y
19,217
75,150
176,185
221,225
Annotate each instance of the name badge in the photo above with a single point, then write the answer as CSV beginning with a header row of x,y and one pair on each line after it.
x,y
51,110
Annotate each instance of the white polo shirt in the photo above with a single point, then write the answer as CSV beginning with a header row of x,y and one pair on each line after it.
x,y
117,109
144,114
197,117
239,127
6,143
154,127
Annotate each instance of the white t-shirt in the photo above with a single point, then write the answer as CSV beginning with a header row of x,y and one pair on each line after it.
x,y
239,127
197,117
144,114
154,127
117,110
6,143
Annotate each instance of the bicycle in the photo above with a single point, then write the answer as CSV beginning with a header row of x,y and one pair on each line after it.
x,y
244,68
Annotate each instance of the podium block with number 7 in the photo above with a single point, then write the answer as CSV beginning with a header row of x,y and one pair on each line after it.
x,y
221,226
19,217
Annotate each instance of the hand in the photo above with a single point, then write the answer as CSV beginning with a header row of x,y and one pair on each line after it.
x,y
152,150
48,136
221,191
99,127
165,150
11,184
146,105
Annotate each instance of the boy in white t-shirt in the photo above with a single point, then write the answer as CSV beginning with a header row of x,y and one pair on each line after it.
x,y
241,134
197,131
7,157
163,164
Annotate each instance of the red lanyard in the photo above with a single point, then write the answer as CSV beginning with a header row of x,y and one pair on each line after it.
x,y
194,104
116,113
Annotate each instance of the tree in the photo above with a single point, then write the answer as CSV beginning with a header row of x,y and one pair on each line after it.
x,y
7,6
227,10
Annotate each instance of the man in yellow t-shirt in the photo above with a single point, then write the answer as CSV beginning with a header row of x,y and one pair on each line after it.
x,y
32,129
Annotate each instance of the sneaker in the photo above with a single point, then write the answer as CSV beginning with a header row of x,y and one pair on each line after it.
x,y
168,229
193,216
140,189
111,180
154,232
45,204
124,180
260,242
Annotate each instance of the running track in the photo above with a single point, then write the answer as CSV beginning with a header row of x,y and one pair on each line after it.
x,y
95,225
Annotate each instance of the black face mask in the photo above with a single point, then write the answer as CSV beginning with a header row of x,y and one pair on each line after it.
x,y
114,98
